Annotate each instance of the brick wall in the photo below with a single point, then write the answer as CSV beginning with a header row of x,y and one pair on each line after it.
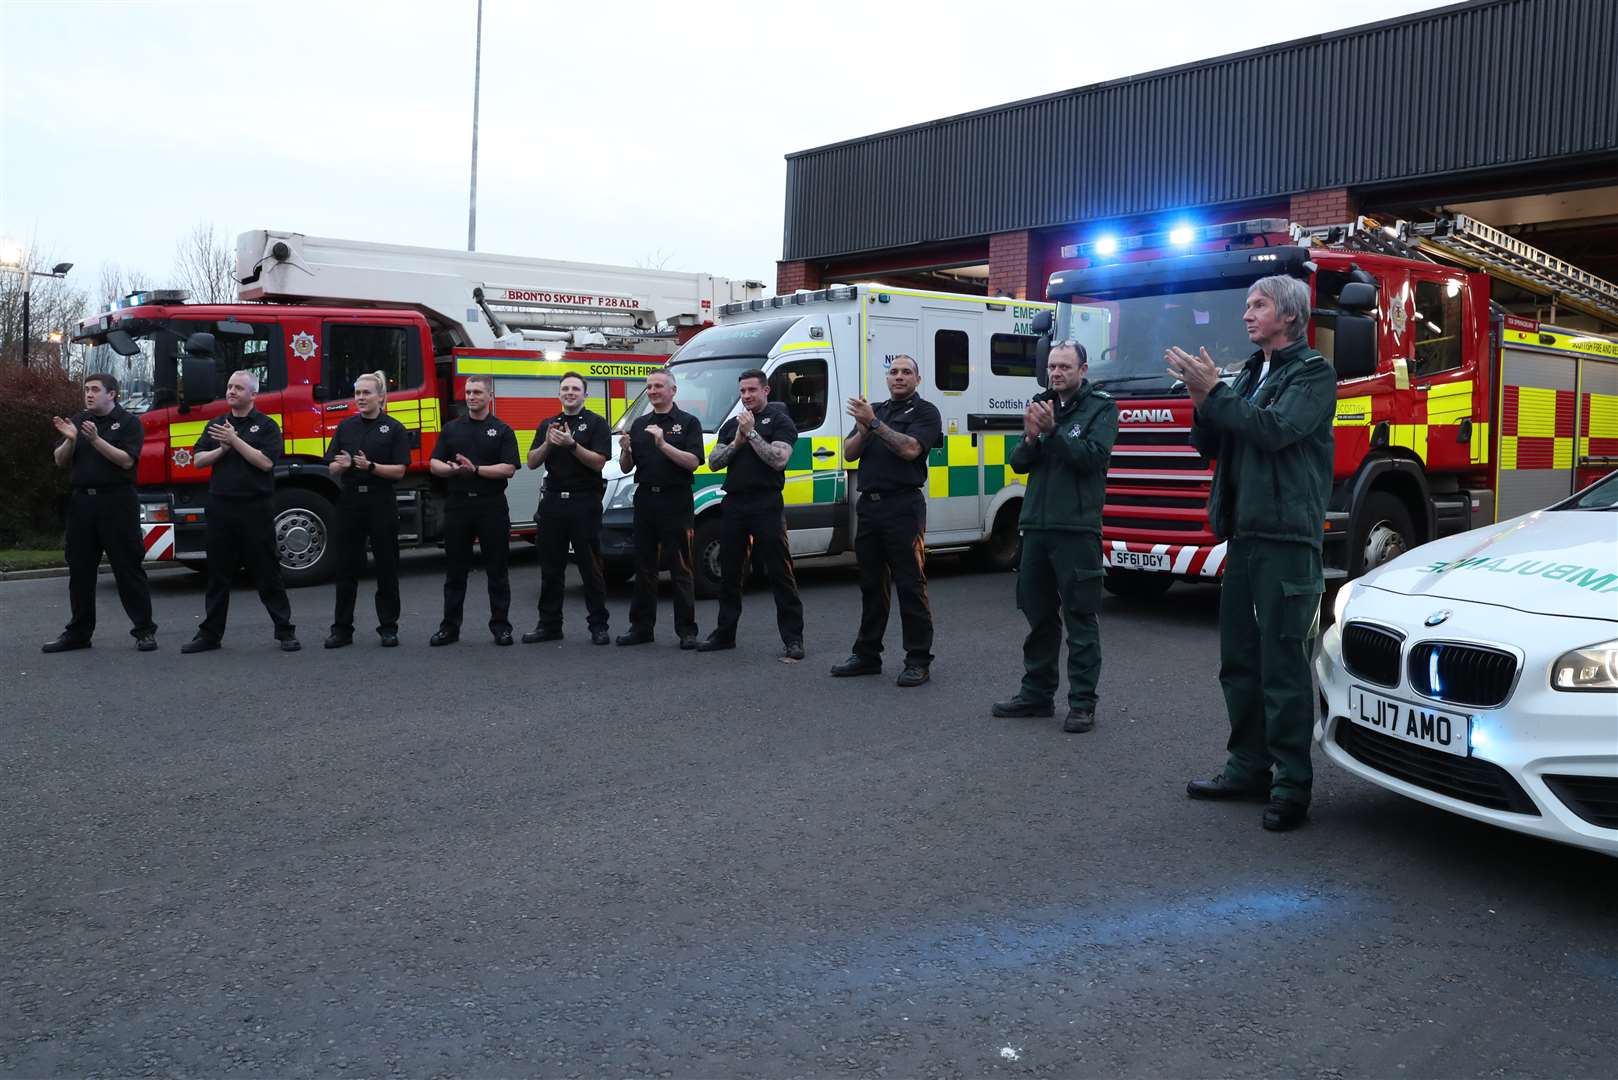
x,y
1332,207
792,276
1011,266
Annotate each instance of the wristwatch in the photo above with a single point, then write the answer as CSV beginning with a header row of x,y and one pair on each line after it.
x,y
875,424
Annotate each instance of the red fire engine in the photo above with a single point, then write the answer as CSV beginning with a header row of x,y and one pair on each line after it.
x,y
1457,406
317,312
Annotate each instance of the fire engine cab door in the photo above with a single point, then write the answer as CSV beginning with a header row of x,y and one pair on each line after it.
x,y
954,349
353,347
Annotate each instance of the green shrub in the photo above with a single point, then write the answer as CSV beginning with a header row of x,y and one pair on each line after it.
x,y
35,488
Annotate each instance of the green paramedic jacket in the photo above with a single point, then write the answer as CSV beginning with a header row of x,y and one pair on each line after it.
x,y
1067,468
1273,454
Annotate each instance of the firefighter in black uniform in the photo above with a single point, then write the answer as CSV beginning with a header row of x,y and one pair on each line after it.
x,y
242,447
753,449
891,441
368,454
101,447
663,447
478,453
572,447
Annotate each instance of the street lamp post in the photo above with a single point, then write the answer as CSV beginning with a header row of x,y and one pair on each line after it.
x,y
13,259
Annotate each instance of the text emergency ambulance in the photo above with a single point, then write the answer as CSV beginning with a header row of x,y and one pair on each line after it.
x,y
977,364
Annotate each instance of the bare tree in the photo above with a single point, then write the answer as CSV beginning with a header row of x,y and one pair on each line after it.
x,y
55,307
205,266
655,260
118,282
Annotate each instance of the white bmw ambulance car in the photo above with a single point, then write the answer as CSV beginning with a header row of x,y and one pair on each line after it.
x,y
1479,673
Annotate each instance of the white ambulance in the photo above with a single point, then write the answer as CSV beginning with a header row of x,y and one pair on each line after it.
x,y
977,359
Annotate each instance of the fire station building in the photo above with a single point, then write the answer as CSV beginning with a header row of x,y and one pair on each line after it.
x,y
1501,110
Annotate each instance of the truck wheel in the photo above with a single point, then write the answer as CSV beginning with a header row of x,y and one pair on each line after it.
x,y
305,534
1003,549
705,558
1137,584
1383,532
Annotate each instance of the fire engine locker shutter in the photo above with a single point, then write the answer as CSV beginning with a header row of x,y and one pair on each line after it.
x,y
1597,450
1536,429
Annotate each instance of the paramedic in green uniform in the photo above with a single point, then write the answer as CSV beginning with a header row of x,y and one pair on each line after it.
x,y
1270,435
1068,432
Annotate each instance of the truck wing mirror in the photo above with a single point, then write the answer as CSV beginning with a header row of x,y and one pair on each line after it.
x,y
233,325
122,343
1357,296
1042,355
1042,323
1354,346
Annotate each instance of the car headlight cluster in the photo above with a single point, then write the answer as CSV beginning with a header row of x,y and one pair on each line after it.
x,y
1594,667
621,494
1340,604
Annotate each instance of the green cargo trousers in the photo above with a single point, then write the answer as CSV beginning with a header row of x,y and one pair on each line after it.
x,y
1269,614
1059,580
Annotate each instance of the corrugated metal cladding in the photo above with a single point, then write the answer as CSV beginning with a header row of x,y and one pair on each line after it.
x,y
1492,84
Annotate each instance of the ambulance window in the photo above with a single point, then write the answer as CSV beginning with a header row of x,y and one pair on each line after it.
x,y
353,350
1012,354
801,386
1438,327
952,367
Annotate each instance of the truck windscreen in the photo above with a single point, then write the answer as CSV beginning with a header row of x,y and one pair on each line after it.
x,y
150,378
1140,329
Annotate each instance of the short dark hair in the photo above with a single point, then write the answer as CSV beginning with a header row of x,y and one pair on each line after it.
x,y
566,375
486,381
907,358
753,373
1078,348
108,382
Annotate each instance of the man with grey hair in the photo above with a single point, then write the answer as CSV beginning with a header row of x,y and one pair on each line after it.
x,y
241,447
1270,435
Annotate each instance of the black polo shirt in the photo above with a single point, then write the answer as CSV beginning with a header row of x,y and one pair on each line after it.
x,y
383,441
123,430
232,477
883,470
489,441
681,430
563,470
747,471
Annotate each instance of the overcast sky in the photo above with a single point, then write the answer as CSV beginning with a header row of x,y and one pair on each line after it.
x,y
610,132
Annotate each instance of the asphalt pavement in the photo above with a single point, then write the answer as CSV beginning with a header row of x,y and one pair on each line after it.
x,y
564,860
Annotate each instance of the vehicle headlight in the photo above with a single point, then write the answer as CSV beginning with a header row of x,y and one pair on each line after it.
x,y
622,494
1594,667
1341,603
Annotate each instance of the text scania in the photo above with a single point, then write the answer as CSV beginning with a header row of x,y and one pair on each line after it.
x,y
1145,416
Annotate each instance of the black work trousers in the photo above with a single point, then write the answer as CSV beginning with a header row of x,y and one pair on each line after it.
x,y
755,518
484,519
241,532
105,520
891,548
663,541
574,521
372,514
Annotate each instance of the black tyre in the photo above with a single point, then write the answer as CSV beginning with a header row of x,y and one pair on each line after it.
x,y
1003,549
305,534
705,557
1382,531
1137,584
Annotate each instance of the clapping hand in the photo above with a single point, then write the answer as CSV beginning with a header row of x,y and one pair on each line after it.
x,y
861,411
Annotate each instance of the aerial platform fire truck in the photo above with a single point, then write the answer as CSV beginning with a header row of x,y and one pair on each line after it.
x,y
314,313
1457,405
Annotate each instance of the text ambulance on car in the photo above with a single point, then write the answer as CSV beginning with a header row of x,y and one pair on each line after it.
x,y
1479,673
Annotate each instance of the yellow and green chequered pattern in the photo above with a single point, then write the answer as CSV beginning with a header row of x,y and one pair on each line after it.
x,y
952,469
